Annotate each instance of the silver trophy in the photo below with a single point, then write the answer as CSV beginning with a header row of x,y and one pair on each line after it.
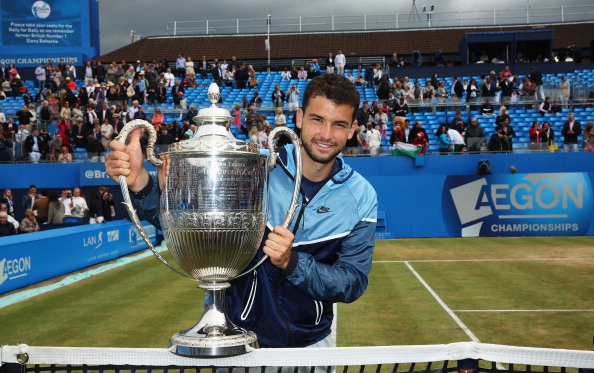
x,y
214,205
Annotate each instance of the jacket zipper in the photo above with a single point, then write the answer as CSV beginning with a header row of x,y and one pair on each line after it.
x,y
278,281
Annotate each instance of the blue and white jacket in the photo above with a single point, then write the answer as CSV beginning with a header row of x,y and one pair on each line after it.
x,y
330,261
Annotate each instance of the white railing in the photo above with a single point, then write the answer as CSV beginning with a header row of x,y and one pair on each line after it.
x,y
388,21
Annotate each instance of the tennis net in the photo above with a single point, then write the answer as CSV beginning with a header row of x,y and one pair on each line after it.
x,y
464,357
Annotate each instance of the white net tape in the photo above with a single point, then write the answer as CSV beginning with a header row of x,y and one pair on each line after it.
x,y
341,356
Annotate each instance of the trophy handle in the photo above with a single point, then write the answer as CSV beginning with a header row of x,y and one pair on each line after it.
x,y
298,170
150,154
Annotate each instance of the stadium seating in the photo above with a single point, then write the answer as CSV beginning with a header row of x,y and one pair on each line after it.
x,y
522,117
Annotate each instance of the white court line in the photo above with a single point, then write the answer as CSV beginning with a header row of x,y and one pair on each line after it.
x,y
443,305
586,310
480,260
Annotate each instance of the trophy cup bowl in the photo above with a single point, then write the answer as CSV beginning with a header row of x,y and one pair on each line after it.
x,y
213,213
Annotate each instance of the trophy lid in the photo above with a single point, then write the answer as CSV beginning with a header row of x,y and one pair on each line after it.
x,y
212,134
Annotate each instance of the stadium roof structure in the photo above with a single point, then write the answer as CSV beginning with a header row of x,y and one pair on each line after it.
x,y
310,45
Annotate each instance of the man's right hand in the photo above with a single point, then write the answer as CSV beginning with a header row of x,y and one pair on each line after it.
x,y
128,161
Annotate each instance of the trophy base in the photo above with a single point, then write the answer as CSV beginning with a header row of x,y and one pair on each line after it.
x,y
214,334
236,342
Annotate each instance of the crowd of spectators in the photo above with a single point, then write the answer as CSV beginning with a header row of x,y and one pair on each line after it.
x,y
50,209
90,116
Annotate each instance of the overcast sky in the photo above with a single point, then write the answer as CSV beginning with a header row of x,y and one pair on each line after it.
x,y
150,17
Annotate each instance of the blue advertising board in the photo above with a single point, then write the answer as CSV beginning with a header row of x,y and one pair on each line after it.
x,y
34,31
30,258
93,173
534,204
544,204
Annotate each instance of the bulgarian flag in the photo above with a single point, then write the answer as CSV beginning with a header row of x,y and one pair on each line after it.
x,y
403,148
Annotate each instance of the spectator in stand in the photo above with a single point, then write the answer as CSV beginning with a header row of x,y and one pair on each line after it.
x,y
278,97
441,93
64,156
29,223
6,146
571,130
556,108
164,139
457,90
180,65
420,141
40,207
428,92
94,149
241,77
535,134
78,133
158,118
363,116
545,107
140,114
11,219
340,62
474,136
547,135
564,91
279,119
35,147
94,213
502,115
472,91
457,140
54,147
177,93
7,199
589,137
383,88
254,136
369,75
458,123
19,142
55,210
169,78
507,135
256,99
65,114
380,120
293,98
6,228
360,80
405,132
488,87
373,140
302,75
24,116
444,141
330,63
106,133
536,78
401,108
487,108
40,76
79,207
252,119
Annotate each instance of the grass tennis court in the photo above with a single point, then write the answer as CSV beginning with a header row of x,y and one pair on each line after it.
x,y
518,291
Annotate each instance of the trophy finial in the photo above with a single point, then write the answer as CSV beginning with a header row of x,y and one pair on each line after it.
x,y
214,94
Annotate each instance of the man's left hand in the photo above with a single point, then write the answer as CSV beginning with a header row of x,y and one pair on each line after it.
x,y
278,246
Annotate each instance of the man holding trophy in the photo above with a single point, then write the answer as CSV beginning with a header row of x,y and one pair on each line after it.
x,y
323,256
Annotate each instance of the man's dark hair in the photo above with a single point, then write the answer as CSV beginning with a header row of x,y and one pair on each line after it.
x,y
335,88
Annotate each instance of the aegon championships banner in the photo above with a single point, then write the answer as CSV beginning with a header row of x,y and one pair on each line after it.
x,y
556,204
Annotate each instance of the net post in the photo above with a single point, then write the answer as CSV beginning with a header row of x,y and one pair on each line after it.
x,y
467,366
